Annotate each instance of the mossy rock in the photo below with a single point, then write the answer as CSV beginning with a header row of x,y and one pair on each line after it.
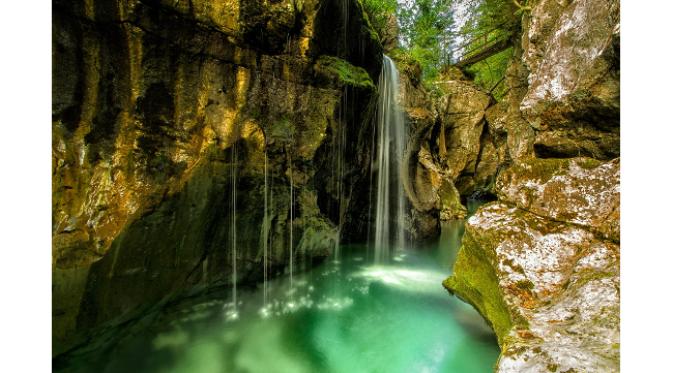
x,y
342,72
541,284
475,282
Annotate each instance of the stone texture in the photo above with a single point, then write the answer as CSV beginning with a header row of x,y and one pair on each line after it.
x,y
150,99
461,109
579,191
390,34
550,290
450,152
571,49
511,132
541,264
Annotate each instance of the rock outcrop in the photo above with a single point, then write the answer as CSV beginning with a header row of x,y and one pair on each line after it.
x,y
163,111
545,272
451,153
572,52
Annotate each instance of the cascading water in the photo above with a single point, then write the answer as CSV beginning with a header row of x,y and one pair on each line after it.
x,y
391,138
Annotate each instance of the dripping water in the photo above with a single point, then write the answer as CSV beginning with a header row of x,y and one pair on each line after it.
x,y
291,216
265,226
234,169
391,137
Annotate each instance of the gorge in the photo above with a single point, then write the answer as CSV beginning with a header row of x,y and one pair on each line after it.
x,y
251,185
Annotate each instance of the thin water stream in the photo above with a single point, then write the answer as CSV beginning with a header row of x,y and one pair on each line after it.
x,y
351,316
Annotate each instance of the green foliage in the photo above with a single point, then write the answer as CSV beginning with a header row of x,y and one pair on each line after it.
x,y
426,28
489,73
487,15
434,33
489,20
378,12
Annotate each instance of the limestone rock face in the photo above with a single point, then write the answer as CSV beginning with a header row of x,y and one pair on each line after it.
x,y
542,265
162,109
512,135
550,290
451,152
579,191
571,49
461,108
390,34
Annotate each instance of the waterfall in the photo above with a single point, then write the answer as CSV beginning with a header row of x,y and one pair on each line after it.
x,y
339,168
391,138
234,167
265,224
291,215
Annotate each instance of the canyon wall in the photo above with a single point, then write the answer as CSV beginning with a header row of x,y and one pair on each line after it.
x,y
168,116
541,262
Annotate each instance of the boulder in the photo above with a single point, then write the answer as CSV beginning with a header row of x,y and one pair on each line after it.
x,y
461,110
541,264
550,290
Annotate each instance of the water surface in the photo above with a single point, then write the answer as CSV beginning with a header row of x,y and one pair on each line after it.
x,y
346,316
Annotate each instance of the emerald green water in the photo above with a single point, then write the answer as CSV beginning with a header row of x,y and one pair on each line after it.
x,y
351,316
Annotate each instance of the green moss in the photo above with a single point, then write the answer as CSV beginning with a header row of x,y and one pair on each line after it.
x,y
342,71
589,163
541,169
580,95
475,281
450,200
545,169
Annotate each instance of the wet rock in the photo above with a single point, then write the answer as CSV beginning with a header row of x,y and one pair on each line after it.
x,y
512,134
542,265
389,35
150,100
576,141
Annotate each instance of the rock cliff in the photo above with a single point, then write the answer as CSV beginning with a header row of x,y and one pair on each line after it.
x,y
168,116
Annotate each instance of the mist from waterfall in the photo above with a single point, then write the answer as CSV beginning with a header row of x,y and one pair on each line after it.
x,y
391,137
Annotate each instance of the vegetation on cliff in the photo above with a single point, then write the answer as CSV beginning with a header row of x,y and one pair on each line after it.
x,y
437,33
